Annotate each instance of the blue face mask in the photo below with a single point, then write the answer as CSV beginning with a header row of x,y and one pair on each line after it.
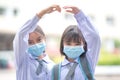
x,y
37,49
73,51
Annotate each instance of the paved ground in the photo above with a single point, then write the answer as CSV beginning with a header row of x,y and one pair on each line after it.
x,y
107,73
102,73
106,77
7,75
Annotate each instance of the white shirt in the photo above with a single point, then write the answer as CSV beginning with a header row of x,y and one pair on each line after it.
x,y
26,65
93,45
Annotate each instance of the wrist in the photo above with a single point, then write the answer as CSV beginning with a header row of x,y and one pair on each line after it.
x,y
41,14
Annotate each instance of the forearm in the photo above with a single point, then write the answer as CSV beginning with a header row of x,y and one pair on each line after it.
x,y
41,14
91,36
85,25
21,39
87,28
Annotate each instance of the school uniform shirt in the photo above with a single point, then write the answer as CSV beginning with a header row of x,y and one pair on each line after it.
x,y
26,65
93,44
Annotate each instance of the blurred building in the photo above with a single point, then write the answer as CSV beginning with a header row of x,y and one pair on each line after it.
x,y
7,14
13,13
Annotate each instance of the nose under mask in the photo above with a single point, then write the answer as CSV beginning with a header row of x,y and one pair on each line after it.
x,y
73,51
37,49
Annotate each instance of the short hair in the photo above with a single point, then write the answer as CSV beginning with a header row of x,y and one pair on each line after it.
x,y
72,34
39,30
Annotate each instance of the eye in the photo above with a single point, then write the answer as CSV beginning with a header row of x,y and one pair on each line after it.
x,y
39,39
72,43
77,43
67,43
30,42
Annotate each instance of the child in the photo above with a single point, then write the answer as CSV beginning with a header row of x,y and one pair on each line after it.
x,y
80,45
32,63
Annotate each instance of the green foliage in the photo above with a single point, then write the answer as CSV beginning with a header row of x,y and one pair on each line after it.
x,y
57,59
117,43
107,58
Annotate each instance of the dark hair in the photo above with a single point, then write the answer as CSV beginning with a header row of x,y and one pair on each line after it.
x,y
39,30
72,34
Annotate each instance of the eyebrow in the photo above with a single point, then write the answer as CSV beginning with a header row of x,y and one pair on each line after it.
x,y
40,37
29,40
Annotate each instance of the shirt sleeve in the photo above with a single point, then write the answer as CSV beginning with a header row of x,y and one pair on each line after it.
x,y
91,36
20,43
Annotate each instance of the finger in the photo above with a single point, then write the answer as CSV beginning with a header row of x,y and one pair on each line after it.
x,y
57,7
67,7
54,9
70,11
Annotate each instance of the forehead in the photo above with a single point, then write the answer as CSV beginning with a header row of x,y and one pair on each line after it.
x,y
76,38
34,35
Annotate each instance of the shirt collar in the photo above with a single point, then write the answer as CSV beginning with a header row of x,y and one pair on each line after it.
x,y
65,61
45,59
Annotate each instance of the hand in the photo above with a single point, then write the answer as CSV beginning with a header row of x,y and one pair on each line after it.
x,y
50,9
53,8
71,9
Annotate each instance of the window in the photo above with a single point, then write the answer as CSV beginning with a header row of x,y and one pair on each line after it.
x,y
110,20
15,12
2,11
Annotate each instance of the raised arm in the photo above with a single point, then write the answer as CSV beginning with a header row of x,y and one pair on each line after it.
x,y
90,34
20,42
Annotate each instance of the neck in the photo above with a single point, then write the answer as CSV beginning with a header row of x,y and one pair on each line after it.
x,y
71,60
